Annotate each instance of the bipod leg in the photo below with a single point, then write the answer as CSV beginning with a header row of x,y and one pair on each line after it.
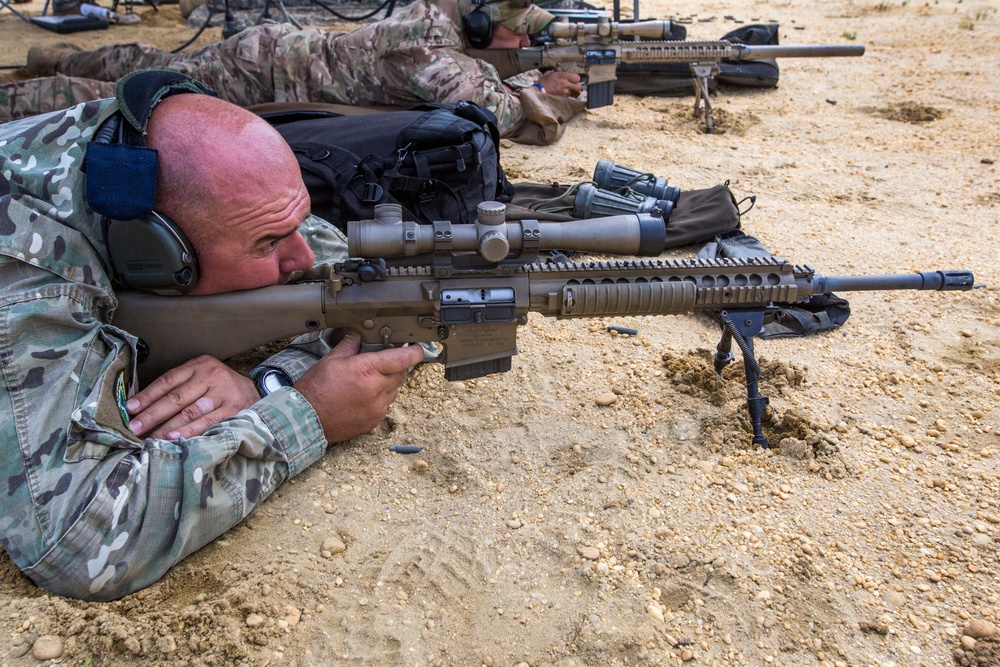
x,y
701,75
265,13
724,350
288,17
742,327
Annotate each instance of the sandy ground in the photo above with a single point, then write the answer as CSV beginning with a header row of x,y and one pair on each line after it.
x,y
540,528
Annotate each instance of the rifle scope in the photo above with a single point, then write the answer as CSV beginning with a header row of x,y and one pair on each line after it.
x,y
494,238
610,29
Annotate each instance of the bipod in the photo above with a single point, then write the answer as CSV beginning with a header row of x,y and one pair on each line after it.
x,y
266,13
742,326
702,72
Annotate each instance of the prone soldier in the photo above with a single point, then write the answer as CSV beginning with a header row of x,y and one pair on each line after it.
x,y
413,57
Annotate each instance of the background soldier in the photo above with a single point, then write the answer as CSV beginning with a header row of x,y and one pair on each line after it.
x,y
413,57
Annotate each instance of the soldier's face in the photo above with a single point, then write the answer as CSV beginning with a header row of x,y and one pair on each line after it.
x,y
505,38
259,243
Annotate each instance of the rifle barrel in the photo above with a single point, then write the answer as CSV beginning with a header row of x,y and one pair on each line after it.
x,y
926,280
762,51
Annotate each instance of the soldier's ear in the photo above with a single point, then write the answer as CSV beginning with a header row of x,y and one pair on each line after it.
x,y
147,250
478,27
152,253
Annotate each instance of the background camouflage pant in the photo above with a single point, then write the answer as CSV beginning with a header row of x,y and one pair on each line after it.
x,y
412,58
21,99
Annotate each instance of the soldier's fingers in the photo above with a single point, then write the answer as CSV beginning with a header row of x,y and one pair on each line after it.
x,y
160,387
169,406
194,428
348,346
396,360
198,426
195,413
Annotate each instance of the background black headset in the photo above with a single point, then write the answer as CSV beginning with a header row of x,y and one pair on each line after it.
x,y
148,251
478,26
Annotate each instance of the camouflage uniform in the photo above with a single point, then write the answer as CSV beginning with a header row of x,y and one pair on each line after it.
x,y
21,99
413,57
87,509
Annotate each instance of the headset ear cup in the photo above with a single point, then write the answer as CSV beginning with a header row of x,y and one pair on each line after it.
x,y
478,29
152,253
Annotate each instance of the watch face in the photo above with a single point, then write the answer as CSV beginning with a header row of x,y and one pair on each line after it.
x,y
272,381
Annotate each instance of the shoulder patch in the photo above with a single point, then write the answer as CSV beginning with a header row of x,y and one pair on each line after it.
x,y
121,396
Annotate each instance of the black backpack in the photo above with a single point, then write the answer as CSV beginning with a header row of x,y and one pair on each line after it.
x,y
751,73
674,79
437,161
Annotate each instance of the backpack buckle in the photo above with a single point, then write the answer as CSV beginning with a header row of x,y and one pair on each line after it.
x,y
372,193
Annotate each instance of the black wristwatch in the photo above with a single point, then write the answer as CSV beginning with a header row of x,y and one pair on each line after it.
x,y
268,380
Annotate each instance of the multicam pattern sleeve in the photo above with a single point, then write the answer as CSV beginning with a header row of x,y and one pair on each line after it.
x,y
87,509
414,56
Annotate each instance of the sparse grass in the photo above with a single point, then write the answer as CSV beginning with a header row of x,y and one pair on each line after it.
x,y
970,20
848,34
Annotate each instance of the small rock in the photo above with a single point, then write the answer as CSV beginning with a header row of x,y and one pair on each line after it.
x,y
47,647
167,644
420,465
292,615
607,398
874,627
968,643
334,545
133,645
513,524
254,621
590,553
977,629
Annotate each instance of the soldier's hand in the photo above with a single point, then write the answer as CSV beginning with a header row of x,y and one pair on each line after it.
x,y
187,400
564,84
351,392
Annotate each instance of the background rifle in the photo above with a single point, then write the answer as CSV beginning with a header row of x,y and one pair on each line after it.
x,y
594,51
469,287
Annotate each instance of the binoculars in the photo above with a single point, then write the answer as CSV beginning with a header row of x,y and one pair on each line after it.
x,y
618,189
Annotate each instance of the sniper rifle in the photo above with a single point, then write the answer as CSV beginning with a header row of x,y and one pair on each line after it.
x,y
468,287
594,51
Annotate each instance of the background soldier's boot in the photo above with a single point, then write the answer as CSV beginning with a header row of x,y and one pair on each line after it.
x,y
188,6
43,60
65,7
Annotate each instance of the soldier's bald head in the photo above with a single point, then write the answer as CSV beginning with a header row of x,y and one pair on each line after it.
x,y
214,155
